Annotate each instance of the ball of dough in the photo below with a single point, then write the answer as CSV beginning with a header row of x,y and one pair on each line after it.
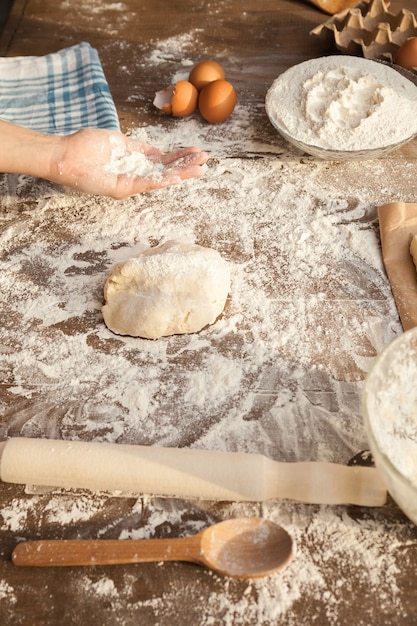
x,y
173,288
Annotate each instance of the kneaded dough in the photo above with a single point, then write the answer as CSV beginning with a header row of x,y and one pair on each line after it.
x,y
173,288
413,249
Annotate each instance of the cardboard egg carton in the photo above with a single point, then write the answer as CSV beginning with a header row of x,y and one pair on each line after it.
x,y
368,29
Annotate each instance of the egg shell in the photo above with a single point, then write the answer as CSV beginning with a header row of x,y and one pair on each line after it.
x,y
217,101
184,99
162,100
406,55
206,72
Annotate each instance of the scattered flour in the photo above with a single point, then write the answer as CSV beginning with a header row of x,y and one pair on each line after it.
x,y
168,49
14,517
7,594
104,587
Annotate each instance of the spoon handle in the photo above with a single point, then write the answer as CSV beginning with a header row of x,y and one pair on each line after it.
x,y
56,552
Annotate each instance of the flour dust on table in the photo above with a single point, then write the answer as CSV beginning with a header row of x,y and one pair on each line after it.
x,y
307,313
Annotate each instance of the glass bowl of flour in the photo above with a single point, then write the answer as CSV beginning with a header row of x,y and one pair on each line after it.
x,y
390,412
342,107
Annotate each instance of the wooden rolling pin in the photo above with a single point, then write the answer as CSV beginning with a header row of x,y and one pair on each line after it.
x,y
184,473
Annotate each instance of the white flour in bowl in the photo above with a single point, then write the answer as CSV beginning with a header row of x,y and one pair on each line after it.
x,y
392,404
344,103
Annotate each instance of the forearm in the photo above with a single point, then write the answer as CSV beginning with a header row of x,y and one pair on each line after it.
x,y
81,160
24,151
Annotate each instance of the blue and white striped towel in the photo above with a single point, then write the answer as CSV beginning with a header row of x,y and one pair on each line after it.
x,y
58,93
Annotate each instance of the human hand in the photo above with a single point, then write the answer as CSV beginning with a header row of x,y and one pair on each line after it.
x,y
89,160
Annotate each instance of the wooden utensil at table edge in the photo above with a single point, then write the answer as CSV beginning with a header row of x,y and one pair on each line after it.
x,y
247,547
333,6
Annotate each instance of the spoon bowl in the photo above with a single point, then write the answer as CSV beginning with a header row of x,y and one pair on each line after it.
x,y
246,547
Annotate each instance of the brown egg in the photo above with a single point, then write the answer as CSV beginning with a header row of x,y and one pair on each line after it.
x,y
205,72
217,101
179,100
406,55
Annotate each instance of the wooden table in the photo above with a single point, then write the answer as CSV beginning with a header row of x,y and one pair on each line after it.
x,y
280,374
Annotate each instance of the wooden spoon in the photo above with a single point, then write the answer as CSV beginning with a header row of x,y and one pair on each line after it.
x,y
248,547
333,6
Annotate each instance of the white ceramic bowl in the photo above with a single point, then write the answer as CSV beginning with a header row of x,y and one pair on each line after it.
x,y
389,405
337,155
288,111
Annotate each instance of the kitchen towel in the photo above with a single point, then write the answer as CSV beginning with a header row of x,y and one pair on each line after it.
x,y
58,93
